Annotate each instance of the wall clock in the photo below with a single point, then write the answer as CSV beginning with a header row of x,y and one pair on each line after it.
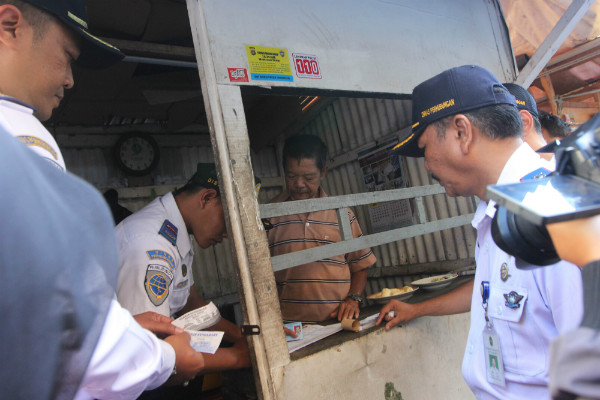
x,y
137,153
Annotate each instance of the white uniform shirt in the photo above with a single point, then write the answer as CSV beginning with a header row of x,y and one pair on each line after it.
x,y
552,305
17,119
127,360
155,269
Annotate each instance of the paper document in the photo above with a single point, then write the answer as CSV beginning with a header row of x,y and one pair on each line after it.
x,y
206,341
195,321
199,319
314,333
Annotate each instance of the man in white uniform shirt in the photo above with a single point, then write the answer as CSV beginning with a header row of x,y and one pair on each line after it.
x,y
467,126
156,254
64,333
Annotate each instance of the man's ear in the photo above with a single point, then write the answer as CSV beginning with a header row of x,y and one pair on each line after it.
x,y
527,121
324,171
11,22
205,196
464,132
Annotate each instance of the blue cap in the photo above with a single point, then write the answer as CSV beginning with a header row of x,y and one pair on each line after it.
x,y
456,90
525,101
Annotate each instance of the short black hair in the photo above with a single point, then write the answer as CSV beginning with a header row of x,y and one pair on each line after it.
x,y
555,126
35,16
497,121
305,146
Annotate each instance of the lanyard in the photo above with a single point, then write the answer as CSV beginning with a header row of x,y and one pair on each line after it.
x,y
485,295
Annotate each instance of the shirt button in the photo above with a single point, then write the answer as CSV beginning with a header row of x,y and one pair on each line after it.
x,y
307,224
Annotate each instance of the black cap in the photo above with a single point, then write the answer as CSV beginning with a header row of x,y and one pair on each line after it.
x,y
95,53
206,176
456,90
525,101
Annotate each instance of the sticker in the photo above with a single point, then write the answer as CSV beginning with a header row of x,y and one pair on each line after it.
x,y
237,74
537,174
169,231
157,281
269,64
307,66
162,255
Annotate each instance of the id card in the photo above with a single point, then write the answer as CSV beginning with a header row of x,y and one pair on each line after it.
x,y
494,365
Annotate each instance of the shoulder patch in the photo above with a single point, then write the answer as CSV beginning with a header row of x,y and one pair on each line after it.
x,y
537,174
157,281
36,141
162,255
169,231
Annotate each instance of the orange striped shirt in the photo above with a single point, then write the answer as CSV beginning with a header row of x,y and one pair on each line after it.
x,y
310,292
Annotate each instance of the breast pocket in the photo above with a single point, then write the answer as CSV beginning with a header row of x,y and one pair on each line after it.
x,y
523,351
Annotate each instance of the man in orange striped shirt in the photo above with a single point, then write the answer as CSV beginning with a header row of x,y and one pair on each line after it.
x,y
327,288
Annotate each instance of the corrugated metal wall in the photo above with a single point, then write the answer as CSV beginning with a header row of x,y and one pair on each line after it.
x,y
346,125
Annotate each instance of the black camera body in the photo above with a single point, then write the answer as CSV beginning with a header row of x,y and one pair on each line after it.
x,y
572,191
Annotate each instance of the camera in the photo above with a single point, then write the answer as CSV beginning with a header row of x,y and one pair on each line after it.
x,y
572,191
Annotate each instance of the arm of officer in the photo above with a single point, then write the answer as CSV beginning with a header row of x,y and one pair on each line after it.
x,y
454,302
577,240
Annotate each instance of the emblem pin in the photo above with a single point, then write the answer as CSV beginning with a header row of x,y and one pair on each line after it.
x,y
512,299
184,270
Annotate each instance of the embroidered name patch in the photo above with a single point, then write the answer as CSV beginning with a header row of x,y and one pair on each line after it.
x,y
162,255
169,232
35,141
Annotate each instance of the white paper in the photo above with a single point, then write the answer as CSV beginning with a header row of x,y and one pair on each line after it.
x,y
313,333
199,319
206,341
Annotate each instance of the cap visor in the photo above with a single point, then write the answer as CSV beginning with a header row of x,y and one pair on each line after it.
x,y
549,148
96,53
408,147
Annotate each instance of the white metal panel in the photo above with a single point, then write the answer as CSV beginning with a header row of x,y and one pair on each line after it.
x,y
346,36
418,360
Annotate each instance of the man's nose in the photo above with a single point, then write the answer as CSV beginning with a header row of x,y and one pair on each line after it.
x,y
69,80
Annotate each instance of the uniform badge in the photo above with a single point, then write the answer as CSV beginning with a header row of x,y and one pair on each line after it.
x,y
169,232
504,275
184,270
512,299
157,282
537,174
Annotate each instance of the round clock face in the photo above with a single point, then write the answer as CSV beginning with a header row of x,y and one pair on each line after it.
x,y
137,154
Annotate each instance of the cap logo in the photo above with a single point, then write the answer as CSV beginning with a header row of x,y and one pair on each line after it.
x,y
77,19
213,181
437,108
520,102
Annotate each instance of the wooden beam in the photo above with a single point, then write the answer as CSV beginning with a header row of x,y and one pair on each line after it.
x,y
553,41
550,94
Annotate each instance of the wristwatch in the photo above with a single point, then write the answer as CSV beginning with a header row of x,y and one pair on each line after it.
x,y
357,297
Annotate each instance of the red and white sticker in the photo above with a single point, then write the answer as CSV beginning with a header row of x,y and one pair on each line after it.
x,y
237,74
307,66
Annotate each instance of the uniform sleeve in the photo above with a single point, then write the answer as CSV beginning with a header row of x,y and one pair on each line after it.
x,y
145,275
126,361
360,259
562,289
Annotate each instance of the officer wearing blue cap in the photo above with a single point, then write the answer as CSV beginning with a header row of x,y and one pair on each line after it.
x,y
467,126
532,128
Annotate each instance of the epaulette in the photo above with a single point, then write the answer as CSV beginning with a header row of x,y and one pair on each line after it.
x,y
169,231
537,174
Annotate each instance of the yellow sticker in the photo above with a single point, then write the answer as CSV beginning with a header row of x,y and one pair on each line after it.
x,y
269,64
